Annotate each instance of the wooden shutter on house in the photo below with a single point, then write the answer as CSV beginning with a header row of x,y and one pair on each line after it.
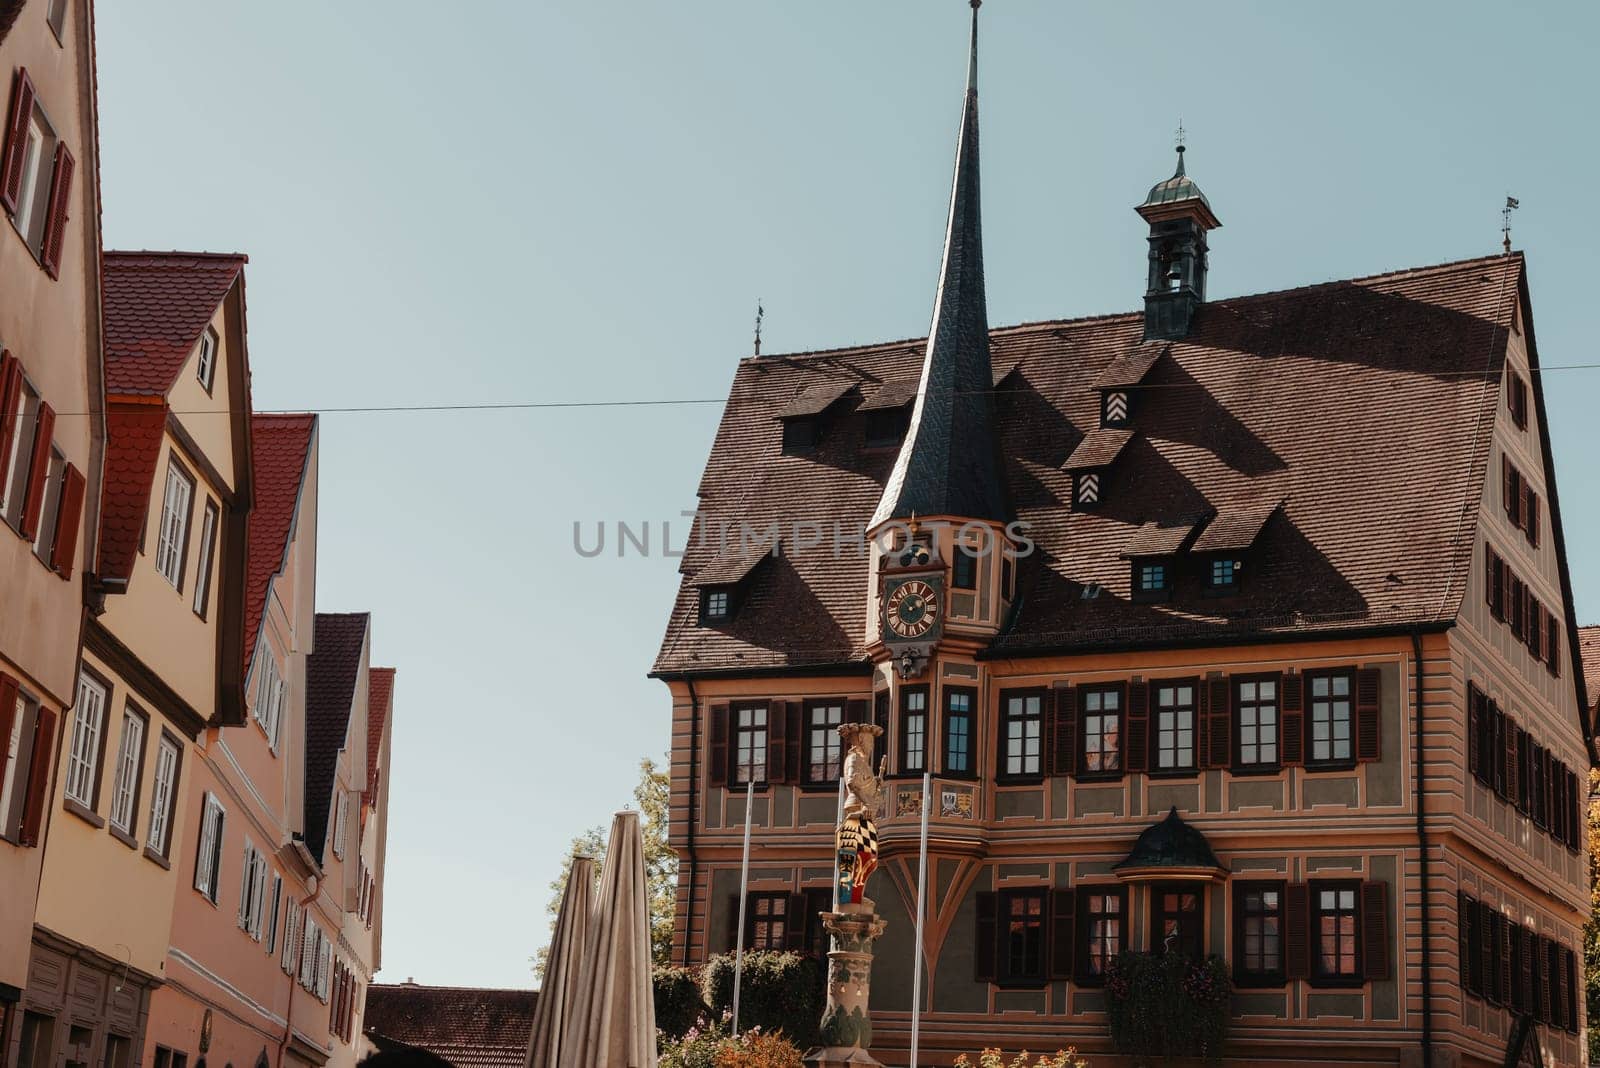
x,y
1369,711
1508,977
778,713
16,134
1064,733
55,228
1464,913
8,714
1375,952
1220,723
44,734
10,388
1297,931
1292,697
1509,754
1063,932
1571,976
1474,711
1509,498
1561,997
1486,946
1574,811
986,944
1522,950
1202,726
1136,748
69,517
44,428
1541,976
795,741
717,766
1497,750
1497,579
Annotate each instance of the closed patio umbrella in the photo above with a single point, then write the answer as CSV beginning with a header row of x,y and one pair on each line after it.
x,y
552,1010
613,1014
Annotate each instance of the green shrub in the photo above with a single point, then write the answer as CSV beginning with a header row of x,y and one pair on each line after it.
x,y
780,992
679,1005
714,1049
1166,1005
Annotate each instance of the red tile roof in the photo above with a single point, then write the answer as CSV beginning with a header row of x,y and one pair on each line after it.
x,y
156,306
469,1027
1589,653
133,443
281,451
332,671
380,689
1277,396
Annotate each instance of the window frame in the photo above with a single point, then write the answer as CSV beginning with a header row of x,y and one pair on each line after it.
x,y
1084,936
708,596
269,689
31,219
1191,926
811,731
1137,586
1317,977
1239,765
963,566
206,361
1211,566
1084,772
907,693
14,478
175,468
158,847
128,831
777,915
73,800
885,428
16,770
1002,772
736,730
1245,977
1004,975
948,716
210,841
50,506
1309,702
801,435
210,517
1155,769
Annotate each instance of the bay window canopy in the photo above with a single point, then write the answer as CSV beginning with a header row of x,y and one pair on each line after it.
x,y
1170,851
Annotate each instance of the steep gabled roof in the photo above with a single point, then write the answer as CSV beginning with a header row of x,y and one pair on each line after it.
x,y
1274,397
467,1026
380,690
332,671
133,444
282,445
1589,657
156,306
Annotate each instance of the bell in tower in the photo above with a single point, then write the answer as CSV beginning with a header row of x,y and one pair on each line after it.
x,y
1179,216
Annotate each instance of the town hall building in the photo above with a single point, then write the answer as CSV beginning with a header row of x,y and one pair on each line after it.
x,y
1237,627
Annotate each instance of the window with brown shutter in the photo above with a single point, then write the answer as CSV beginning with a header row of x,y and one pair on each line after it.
x,y
10,391
1063,932
1474,714
1297,931
1558,985
1466,909
1508,751
1571,988
1534,635
16,134
1517,399
1293,699
985,940
1102,734
1508,970
1552,644
44,734
1524,772
717,765
1510,490
1336,943
69,517
1497,751
1136,751
1219,723
1064,733
1541,977
1369,745
1475,944
1521,970
38,468
1514,609
1496,582
1493,962
778,742
55,227
1530,515
1574,811
1375,938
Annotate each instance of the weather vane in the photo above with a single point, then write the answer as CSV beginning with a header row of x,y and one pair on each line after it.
x,y
760,312
1512,204
1181,133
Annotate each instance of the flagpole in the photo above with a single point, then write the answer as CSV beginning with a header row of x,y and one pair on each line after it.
x,y
744,883
922,879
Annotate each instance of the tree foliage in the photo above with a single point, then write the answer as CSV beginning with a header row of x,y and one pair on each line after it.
x,y
651,798
1591,930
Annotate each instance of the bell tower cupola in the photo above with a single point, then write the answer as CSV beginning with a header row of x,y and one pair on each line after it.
x,y
1180,217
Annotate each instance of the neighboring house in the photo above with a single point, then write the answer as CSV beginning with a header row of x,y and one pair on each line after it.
x,y
160,660
235,988
468,1027
51,437
1280,668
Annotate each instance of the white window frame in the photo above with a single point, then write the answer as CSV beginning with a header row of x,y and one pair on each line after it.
x,y
252,890
341,823
277,908
130,765
83,759
269,692
44,537
177,508
208,857
209,516
34,179
12,753
14,479
162,789
206,359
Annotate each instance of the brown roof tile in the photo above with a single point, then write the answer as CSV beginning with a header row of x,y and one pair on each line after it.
x,y
469,1027
1275,396
1098,448
332,671
380,691
1236,528
814,400
156,306
1589,653
1158,539
133,444
281,447
895,393
1129,370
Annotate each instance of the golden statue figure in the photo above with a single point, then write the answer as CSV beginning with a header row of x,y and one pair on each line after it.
x,y
857,838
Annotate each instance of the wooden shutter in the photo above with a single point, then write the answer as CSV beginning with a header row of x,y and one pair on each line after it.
x,y
1524,506
10,389
38,470
1523,943
1369,710
1474,757
1292,706
794,924
1497,751
69,517
1064,733
1509,498
1202,726
8,715
778,713
1509,754
1574,811
1497,578
1063,932
1464,913
1570,974
1530,516
1541,976
986,944
1297,931
1220,722
1136,750
55,227
717,765
16,134
1561,997
795,741
1485,931
1554,657
1507,978
44,733
1375,953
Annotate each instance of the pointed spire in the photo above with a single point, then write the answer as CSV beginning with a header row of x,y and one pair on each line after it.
x,y
948,463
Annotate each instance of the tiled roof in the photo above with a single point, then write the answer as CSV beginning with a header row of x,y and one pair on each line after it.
x,y
380,688
815,400
133,444
156,306
1274,396
1130,370
282,449
731,567
1236,528
1589,652
1159,539
331,673
469,1027
1098,448
895,393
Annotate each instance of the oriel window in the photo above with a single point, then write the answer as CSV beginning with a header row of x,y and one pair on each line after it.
x,y
958,732
914,729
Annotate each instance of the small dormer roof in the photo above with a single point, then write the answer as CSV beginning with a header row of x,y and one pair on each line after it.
x,y
1171,848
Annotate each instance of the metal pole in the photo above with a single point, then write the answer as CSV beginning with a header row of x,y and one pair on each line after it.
x,y
837,823
922,879
744,883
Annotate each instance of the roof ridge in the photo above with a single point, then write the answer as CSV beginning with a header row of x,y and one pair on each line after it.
x,y
175,253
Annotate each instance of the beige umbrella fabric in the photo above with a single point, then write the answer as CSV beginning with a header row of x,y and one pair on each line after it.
x,y
613,1014
552,1010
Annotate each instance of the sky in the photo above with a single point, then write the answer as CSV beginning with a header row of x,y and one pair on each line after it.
x,y
583,202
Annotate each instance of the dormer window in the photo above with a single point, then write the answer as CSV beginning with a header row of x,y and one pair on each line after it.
x,y
716,604
721,583
799,435
1087,492
805,414
1224,574
886,427
206,362
1089,461
1152,579
1114,408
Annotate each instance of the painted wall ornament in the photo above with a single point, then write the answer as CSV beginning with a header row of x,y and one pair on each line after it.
x,y
857,837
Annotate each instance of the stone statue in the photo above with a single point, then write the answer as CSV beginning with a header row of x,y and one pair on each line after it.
x,y
857,838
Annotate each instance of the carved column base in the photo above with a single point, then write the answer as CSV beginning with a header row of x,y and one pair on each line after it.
x,y
846,1024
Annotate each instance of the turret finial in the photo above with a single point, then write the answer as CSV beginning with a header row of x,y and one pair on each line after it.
x,y
1182,134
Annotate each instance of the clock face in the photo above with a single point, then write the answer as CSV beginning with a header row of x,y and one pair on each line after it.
x,y
912,609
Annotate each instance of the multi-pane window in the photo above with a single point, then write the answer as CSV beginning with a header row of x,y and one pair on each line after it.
x,y
208,856
206,361
341,824
1177,923
964,568
130,766
1104,915
914,729
33,192
1022,936
173,536
716,604
1022,726
276,896
269,692
208,552
14,477
252,891
1223,573
1258,934
1330,716
1256,702
83,759
1152,577
163,795
823,745
750,744
766,921
958,732
1175,727
1102,730
15,772
1334,924
44,534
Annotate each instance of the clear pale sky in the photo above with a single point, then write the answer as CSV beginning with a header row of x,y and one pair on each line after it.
x,y
582,201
